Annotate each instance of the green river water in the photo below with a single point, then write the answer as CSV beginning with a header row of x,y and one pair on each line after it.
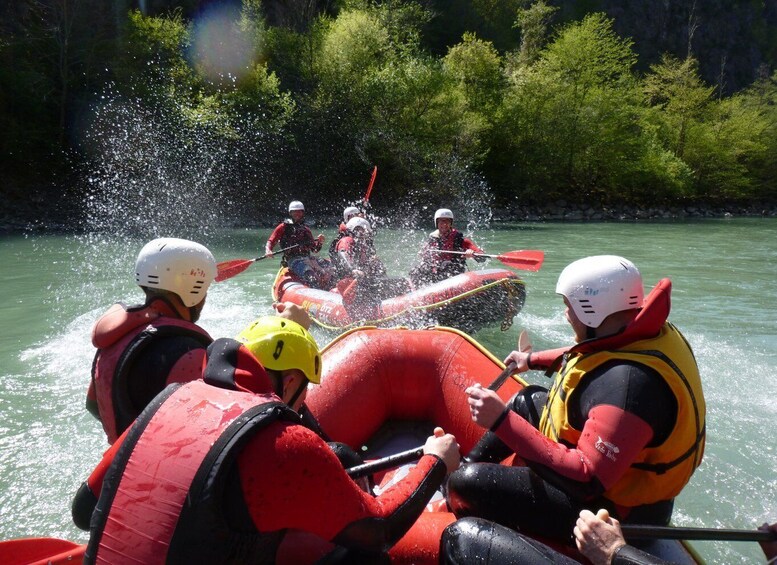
x,y
724,273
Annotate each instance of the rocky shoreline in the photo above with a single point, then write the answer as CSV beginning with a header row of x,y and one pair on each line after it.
x,y
36,218
562,211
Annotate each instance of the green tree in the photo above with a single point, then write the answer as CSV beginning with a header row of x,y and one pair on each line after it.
x,y
533,23
675,89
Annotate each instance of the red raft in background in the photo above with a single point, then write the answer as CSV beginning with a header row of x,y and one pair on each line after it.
x,y
383,391
469,302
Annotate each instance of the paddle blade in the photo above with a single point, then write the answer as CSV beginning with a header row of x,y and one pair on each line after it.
x,y
525,260
372,183
228,269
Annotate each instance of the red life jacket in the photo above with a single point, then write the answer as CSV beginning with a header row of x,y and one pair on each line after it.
x,y
454,241
121,335
163,497
297,234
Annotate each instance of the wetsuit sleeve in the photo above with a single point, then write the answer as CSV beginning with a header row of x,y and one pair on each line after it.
x,y
469,244
629,555
544,359
86,498
292,479
345,252
275,237
587,464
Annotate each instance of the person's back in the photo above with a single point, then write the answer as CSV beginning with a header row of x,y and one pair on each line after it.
x,y
221,469
142,349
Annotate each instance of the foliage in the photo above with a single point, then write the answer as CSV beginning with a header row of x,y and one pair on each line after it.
x,y
304,98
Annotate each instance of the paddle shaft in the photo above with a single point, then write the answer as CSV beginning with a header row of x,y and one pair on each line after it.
x,y
640,531
490,256
386,463
497,383
265,256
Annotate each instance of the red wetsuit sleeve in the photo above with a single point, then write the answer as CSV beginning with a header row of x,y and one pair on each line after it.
x,y
275,236
544,359
188,367
469,244
610,442
292,479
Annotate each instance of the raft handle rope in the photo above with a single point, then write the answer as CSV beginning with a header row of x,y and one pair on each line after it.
x,y
514,289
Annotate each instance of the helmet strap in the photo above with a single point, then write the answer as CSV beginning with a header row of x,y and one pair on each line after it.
x,y
303,385
590,333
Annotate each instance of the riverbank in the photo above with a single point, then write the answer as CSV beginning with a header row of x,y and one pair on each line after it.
x,y
38,215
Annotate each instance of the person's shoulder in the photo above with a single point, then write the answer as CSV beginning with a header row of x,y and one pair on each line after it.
x,y
435,234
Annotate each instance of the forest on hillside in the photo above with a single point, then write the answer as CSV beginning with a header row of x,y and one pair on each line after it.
x,y
260,100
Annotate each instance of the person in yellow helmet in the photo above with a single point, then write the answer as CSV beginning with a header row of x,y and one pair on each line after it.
x,y
222,470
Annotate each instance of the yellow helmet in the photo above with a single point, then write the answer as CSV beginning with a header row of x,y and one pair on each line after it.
x,y
280,344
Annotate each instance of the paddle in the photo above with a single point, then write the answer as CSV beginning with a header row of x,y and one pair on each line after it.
x,y
639,531
525,260
372,183
228,269
389,462
523,345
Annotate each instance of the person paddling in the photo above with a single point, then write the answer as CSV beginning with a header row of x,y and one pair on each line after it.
x,y
434,266
141,349
221,470
293,233
622,428
342,231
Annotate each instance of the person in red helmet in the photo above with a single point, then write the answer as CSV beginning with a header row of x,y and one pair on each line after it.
x,y
622,428
221,470
436,265
293,233
141,349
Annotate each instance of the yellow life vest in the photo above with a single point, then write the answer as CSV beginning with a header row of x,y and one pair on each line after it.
x,y
660,472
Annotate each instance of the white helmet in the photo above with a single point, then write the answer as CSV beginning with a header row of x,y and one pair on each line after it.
x,y
442,213
350,212
176,265
358,222
599,286
296,205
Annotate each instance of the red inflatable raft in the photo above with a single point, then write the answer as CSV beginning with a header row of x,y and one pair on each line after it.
x,y
469,301
384,390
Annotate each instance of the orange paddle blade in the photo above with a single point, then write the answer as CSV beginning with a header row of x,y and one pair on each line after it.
x,y
526,260
228,269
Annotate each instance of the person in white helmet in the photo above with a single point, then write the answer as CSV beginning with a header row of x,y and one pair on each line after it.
x,y
293,233
622,428
348,213
356,252
436,265
141,349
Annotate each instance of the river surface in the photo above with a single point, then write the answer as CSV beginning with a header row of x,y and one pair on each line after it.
x,y
724,274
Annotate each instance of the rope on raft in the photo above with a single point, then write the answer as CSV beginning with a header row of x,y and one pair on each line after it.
x,y
514,289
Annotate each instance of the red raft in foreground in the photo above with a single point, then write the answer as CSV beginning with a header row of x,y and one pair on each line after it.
x,y
469,302
384,390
